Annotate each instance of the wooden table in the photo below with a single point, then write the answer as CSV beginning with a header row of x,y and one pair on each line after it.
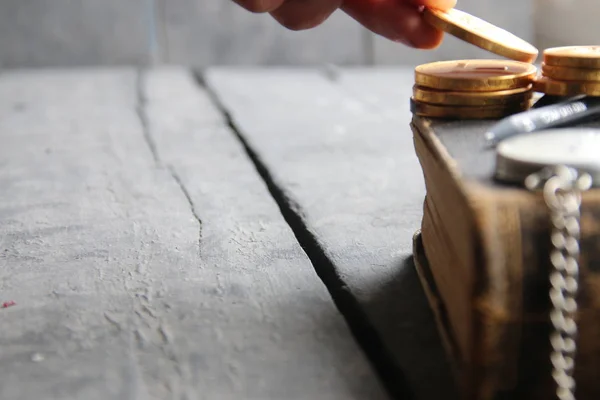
x,y
236,234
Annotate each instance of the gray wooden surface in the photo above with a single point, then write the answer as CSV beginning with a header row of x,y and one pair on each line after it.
x,y
146,256
244,235
339,157
36,33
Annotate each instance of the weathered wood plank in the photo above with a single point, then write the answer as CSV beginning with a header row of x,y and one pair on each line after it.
x,y
37,33
516,16
348,177
209,32
147,260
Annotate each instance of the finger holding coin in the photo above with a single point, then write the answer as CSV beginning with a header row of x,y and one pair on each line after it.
x,y
401,21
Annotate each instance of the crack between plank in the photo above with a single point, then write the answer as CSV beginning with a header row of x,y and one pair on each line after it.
x,y
188,197
140,109
141,105
365,334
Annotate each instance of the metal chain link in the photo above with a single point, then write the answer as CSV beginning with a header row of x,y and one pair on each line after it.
x,y
562,187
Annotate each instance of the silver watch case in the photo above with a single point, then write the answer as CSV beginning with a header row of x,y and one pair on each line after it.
x,y
520,156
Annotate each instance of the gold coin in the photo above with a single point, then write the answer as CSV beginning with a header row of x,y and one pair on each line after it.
x,y
481,34
573,56
465,112
566,88
570,73
442,97
475,75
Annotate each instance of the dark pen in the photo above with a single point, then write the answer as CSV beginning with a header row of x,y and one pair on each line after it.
x,y
573,110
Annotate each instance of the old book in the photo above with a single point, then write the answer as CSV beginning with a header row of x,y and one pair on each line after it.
x,y
483,256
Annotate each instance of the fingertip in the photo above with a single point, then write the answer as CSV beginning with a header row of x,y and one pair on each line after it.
x,y
298,15
418,33
430,41
443,5
425,37
293,23
259,6
401,22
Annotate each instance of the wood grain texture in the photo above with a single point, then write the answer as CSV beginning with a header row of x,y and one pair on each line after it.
x,y
145,255
347,173
515,16
209,32
36,33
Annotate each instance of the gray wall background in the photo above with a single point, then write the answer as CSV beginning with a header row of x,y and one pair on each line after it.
x,y
50,33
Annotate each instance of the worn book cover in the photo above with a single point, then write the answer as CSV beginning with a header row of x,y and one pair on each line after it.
x,y
484,260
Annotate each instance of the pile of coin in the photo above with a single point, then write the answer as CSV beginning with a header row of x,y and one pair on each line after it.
x,y
570,71
475,89
472,89
490,89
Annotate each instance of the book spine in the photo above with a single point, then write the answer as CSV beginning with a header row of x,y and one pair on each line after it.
x,y
488,248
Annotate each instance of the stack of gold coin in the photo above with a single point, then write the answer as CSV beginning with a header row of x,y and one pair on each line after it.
x,y
475,89
472,89
570,71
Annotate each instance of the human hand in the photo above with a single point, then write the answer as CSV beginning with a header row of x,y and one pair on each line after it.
x,y
397,20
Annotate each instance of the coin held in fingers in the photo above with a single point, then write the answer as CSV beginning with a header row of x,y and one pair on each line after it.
x,y
481,34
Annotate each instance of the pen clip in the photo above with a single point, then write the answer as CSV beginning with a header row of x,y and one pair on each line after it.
x,y
537,117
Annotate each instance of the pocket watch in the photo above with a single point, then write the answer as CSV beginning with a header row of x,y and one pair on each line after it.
x,y
559,164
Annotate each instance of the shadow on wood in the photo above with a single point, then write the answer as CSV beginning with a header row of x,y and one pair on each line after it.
x,y
401,311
